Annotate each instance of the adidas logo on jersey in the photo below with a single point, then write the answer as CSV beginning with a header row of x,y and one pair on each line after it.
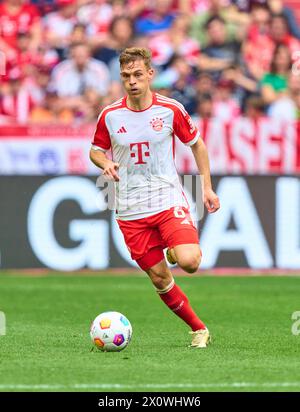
x,y
185,222
122,130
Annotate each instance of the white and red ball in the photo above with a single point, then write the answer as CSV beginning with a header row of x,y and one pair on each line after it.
x,y
111,331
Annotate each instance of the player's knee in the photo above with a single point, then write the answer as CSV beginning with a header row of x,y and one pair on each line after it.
x,y
190,263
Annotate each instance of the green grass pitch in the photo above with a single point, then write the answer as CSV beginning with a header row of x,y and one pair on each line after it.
x,y
47,345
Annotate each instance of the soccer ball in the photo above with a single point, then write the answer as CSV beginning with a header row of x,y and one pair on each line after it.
x,y
111,331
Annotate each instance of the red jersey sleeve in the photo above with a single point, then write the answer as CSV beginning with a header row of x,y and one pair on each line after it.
x,y
102,138
184,127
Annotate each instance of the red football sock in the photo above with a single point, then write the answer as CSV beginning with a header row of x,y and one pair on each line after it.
x,y
177,301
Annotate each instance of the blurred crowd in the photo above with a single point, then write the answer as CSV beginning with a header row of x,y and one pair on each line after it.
x,y
220,58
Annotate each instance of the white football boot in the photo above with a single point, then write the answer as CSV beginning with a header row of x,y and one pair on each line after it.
x,y
200,338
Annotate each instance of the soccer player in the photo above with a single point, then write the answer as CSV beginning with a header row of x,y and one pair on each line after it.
x,y
151,208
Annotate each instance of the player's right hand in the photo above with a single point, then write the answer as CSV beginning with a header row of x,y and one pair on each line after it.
x,y
211,201
110,171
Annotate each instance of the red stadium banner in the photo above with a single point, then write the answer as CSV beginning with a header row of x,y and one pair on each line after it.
x,y
244,146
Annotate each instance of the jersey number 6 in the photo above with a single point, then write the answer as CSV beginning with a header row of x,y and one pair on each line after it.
x,y
179,212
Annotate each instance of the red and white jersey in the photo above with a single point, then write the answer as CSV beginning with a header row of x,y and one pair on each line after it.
x,y
162,49
17,106
55,23
97,17
142,142
21,22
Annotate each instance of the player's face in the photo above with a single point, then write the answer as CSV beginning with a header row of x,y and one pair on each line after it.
x,y
136,78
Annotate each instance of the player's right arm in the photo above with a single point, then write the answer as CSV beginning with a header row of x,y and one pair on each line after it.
x,y
101,143
108,166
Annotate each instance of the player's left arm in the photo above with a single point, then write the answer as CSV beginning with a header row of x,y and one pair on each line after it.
x,y
211,200
188,133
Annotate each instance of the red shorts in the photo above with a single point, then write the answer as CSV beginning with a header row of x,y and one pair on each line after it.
x,y
146,238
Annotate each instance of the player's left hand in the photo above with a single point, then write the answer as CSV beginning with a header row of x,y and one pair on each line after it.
x,y
211,201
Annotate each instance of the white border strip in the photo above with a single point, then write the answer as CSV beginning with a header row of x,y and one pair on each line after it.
x,y
152,386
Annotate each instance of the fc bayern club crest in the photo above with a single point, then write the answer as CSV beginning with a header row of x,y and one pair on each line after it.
x,y
157,124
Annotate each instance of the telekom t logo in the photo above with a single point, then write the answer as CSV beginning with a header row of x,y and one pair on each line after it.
x,y
140,152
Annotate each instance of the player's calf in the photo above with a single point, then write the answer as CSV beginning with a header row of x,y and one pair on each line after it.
x,y
160,275
173,296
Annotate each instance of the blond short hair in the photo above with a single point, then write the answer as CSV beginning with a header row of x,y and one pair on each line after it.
x,y
132,54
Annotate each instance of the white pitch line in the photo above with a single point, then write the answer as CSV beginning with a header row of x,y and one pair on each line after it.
x,y
154,386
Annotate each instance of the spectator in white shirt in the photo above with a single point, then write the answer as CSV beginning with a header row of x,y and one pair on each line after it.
x,y
74,76
58,26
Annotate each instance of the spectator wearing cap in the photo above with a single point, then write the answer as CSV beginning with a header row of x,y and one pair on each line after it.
x,y
220,53
59,25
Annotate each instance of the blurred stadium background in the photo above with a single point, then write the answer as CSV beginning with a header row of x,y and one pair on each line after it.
x,y
235,65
